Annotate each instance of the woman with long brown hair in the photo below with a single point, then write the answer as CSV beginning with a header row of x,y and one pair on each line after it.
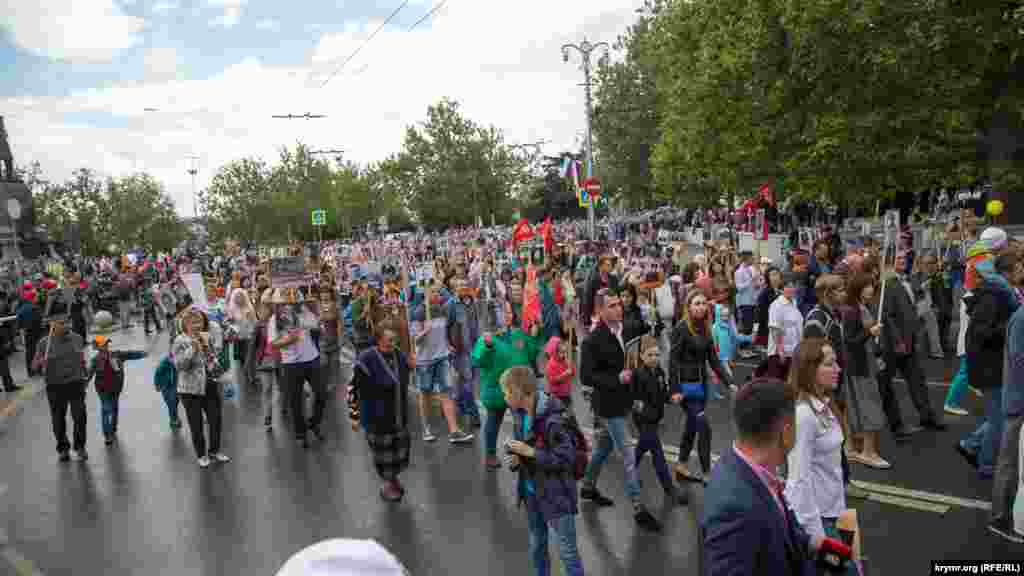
x,y
864,414
814,482
693,349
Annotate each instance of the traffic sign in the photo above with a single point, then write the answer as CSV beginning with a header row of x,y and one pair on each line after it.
x,y
583,197
319,217
592,186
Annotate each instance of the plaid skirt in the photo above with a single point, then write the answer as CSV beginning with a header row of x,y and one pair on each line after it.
x,y
390,453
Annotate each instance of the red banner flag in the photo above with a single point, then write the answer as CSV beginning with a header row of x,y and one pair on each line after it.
x,y
522,232
546,233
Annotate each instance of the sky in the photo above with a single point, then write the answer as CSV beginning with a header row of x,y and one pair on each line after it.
x,y
80,74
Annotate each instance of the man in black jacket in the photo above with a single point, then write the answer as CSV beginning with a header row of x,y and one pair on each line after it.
x,y
900,331
990,306
604,369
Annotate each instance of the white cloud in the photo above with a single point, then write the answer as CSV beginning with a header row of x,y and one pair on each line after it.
x,y
164,6
268,24
514,79
71,30
161,63
231,15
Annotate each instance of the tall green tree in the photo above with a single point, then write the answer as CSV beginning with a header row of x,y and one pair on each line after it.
x,y
626,115
855,101
237,202
248,199
452,171
123,213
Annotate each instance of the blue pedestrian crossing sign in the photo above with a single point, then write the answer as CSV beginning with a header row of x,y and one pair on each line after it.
x,y
319,217
583,196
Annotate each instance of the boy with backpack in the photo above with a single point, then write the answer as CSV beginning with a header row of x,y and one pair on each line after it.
x,y
547,453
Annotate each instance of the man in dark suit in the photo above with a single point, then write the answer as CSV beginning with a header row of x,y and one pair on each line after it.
x,y
604,369
900,332
747,526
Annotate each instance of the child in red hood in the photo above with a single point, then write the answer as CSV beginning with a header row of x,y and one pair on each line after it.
x,y
559,371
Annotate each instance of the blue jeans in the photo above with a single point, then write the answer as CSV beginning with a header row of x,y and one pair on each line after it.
x,y
468,378
432,378
615,434
170,396
491,427
972,442
985,439
648,441
994,434
565,531
108,412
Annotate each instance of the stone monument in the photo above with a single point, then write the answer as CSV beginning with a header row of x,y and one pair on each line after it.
x,y
16,217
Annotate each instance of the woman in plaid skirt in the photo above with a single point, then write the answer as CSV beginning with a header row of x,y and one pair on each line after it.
x,y
378,400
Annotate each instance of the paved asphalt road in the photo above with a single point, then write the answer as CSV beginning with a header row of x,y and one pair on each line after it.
x,y
144,507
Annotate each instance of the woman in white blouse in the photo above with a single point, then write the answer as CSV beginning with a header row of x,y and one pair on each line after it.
x,y
814,481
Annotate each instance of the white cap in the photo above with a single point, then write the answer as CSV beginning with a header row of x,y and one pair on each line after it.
x,y
343,557
994,238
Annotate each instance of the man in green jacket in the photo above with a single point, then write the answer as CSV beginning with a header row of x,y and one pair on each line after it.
x,y
494,355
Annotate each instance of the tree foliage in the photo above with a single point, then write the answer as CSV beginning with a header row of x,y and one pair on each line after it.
x,y
625,118
247,199
452,170
127,213
853,101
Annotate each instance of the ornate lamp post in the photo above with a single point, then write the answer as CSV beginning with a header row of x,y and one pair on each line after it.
x,y
585,49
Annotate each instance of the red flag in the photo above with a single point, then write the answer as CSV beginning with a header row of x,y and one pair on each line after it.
x,y
522,232
531,300
549,240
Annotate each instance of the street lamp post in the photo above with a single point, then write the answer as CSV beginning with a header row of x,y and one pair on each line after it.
x,y
193,171
585,49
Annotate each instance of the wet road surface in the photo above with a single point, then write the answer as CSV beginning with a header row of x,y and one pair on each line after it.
x,y
145,507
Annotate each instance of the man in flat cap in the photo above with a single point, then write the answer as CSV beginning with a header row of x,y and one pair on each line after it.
x,y
60,356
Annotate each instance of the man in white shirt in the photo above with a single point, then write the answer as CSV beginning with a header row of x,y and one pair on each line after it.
x,y
744,278
289,332
785,324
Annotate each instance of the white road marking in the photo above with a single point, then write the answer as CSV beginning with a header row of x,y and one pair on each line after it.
x,y
923,496
908,503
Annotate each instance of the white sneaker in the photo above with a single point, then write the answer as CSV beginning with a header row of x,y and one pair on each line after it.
x,y
220,457
954,410
204,462
428,436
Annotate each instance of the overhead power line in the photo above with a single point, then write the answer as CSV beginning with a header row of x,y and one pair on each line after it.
x,y
365,42
427,15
